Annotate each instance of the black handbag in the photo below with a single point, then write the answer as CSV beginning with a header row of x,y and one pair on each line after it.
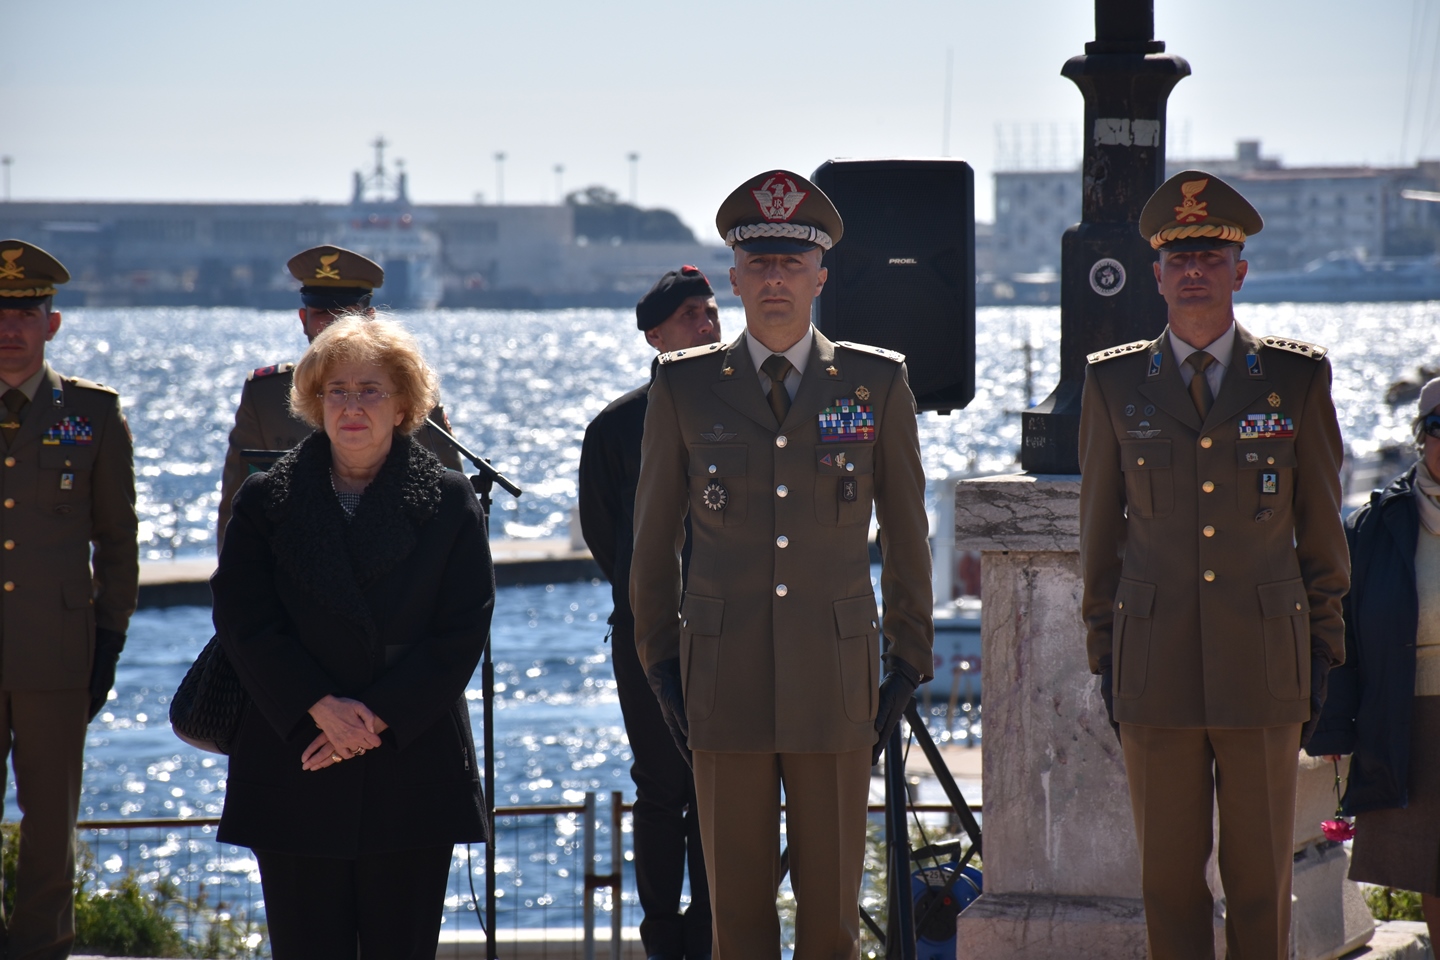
x,y
206,709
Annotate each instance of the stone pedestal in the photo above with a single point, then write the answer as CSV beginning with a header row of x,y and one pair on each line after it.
x,y
1062,872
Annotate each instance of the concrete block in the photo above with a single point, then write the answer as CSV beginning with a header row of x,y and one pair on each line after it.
x,y
1328,915
1018,512
1019,927
1396,940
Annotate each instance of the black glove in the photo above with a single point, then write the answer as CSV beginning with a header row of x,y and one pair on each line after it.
x,y
665,681
1106,694
108,644
1319,686
896,692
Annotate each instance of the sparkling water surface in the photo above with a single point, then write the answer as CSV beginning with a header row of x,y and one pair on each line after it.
x,y
520,387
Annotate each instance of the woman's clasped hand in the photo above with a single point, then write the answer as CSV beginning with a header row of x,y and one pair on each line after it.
x,y
347,729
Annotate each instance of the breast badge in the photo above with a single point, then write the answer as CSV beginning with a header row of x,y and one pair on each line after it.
x,y
862,393
849,489
717,434
1252,364
1273,400
1269,482
1266,426
1263,515
847,420
70,430
67,481
715,496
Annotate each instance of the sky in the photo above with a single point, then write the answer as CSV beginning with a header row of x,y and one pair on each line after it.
x,y
279,101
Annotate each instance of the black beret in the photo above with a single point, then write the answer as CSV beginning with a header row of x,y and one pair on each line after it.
x,y
668,293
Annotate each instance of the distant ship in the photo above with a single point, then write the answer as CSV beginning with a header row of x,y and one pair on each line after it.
x,y
1347,278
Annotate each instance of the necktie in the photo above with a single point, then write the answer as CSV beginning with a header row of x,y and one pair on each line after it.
x,y
1200,361
15,402
777,368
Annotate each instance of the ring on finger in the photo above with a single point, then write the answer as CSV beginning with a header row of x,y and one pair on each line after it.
x,y
335,756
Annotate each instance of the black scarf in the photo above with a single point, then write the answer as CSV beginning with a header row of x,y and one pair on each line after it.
x,y
334,558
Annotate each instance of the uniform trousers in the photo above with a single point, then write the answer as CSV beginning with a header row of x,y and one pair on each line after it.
x,y
42,734
1176,776
825,807
666,821
382,906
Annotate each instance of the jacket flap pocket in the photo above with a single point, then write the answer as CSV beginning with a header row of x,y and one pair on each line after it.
x,y
64,457
1135,599
702,615
1284,599
1144,454
857,616
848,460
718,460
1259,454
77,594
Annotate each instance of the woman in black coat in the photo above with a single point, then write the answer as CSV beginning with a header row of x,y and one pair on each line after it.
x,y
353,597
1384,702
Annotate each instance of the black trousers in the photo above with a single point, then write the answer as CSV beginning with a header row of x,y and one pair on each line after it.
x,y
667,827
379,907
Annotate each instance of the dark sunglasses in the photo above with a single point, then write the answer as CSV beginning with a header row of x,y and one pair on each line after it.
x,y
1431,425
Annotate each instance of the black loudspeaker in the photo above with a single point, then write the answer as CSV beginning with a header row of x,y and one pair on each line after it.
x,y
903,275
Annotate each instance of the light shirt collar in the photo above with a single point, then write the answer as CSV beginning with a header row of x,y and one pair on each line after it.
x,y
1222,350
798,355
29,385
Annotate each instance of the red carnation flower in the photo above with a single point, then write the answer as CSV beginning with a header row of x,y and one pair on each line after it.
x,y
1338,830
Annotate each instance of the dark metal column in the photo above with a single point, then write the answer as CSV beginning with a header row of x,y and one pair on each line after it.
x,y
1107,291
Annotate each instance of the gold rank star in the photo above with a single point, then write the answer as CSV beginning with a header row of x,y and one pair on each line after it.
x,y
832,371
728,371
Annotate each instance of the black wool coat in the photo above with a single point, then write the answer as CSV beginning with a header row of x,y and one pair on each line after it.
x,y
1371,697
391,608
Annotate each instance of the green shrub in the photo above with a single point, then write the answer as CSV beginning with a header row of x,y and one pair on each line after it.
x,y
1388,903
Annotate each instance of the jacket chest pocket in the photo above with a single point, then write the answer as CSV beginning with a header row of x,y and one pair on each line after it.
x,y
845,485
1265,474
1149,480
717,484
63,478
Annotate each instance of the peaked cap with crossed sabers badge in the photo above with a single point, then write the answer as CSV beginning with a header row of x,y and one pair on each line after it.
x,y
28,274
1195,210
779,212
333,278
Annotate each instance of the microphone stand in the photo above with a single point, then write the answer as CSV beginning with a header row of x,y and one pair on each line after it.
x,y
484,481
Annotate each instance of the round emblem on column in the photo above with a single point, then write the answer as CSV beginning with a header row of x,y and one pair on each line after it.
x,y
1107,277
715,496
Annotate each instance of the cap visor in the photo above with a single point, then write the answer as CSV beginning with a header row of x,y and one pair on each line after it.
x,y
334,298
777,245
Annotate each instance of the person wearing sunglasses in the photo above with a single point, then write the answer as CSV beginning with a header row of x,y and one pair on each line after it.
x,y
353,597
1384,704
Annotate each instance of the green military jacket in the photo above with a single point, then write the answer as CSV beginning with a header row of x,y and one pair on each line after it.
x,y
1214,556
778,632
263,422
69,561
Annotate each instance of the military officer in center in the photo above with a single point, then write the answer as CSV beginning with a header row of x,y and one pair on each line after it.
x,y
334,282
68,573
768,666
1214,565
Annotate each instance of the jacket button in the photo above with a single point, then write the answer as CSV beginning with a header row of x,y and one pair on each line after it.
x,y
781,440
9,544
782,491
1206,442
9,586
850,467
1209,576
1270,461
1140,461
9,502
684,623
67,463
9,461
1297,606
1208,486
1120,605
711,468
1209,531
782,542
781,590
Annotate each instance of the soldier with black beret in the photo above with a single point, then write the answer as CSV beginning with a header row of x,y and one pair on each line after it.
x,y
1214,565
334,282
678,313
69,569
765,657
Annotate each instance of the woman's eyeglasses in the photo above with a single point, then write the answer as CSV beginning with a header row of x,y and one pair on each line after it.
x,y
365,396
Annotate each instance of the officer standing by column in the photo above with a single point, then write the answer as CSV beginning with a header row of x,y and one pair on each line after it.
x,y
68,570
778,446
679,312
334,282
1214,565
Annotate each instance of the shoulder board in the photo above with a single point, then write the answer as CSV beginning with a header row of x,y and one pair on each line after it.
x,y
90,385
1110,353
270,371
873,351
1312,350
690,353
